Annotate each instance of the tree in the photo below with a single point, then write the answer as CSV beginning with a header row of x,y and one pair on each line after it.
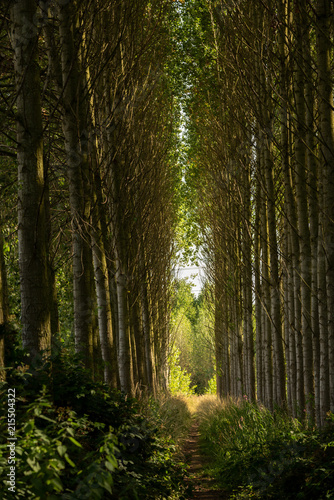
x,y
33,251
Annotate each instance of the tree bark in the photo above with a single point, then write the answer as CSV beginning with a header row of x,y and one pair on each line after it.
x,y
326,126
302,209
107,343
33,252
73,101
4,308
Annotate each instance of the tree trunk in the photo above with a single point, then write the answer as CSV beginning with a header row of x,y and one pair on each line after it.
x,y
77,175
279,365
124,355
249,355
147,338
33,254
260,376
302,211
101,271
326,119
140,344
218,326
4,309
104,308
324,385
266,308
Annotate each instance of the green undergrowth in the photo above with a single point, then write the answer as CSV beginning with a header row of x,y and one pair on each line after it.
x,y
174,417
76,439
258,454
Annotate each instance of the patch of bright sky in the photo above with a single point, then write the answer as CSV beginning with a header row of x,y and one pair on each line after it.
x,y
194,275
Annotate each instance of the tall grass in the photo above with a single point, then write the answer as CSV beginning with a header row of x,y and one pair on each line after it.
x,y
171,415
264,454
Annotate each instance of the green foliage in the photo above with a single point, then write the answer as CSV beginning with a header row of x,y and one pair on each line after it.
x,y
212,386
12,271
203,350
192,339
65,305
179,380
53,454
267,455
79,440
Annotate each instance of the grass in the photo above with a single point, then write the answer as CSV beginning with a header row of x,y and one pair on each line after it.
x,y
258,454
172,417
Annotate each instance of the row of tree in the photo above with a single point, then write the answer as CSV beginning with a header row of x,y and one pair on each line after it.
x,y
86,84
89,117
262,143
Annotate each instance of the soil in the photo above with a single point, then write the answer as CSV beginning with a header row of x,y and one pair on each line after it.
x,y
204,487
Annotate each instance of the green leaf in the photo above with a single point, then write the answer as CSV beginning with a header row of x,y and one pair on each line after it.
x,y
33,464
29,426
109,466
57,464
61,450
74,441
56,483
104,483
68,460
47,418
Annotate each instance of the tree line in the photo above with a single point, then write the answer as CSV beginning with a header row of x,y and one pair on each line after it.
x,y
261,141
92,96
87,136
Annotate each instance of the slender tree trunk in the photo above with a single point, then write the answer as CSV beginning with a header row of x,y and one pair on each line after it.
x,y
285,277
218,326
323,326
4,308
77,173
147,338
55,326
266,308
33,253
258,299
293,264
140,344
302,210
104,307
101,271
291,325
124,355
249,355
326,114
279,364
312,184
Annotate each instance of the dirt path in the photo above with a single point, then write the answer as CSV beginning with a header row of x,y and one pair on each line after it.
x,y
204,486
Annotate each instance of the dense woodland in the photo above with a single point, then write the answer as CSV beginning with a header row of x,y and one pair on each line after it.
x,y
134,134
137,136
93,98
261,132
93,103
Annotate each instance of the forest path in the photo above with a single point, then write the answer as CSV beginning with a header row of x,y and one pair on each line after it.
x,y
204,486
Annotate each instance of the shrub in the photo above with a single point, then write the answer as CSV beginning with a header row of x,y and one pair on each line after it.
x,y
76,439
212,386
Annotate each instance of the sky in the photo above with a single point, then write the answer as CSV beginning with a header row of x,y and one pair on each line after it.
x,y
189,272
